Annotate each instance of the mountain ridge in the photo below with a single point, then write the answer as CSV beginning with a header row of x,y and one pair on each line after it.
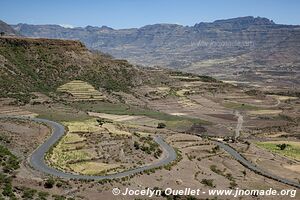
x,y
250,19
224,48
7,29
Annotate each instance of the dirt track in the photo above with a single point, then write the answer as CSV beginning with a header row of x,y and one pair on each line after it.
x,y
37,158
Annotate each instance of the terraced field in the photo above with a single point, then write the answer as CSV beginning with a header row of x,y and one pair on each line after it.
x,y
265,112
238,106
81,91
89,125
283,98
16,111
74,153
93,149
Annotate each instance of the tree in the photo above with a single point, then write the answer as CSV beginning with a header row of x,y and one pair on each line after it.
x,y
2,33
49,183
282,146
100,121
136,145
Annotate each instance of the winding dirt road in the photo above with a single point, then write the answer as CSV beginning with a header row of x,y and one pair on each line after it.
x,y
37,160
253,167
236,155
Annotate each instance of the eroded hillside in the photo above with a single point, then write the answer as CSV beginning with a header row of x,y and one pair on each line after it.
x,y
41,65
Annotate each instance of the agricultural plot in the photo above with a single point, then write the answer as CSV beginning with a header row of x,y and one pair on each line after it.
x,y
89,125
239,106
75,153
58,112
182,92
117,118
9,110
185,102
265,112
81,91
16,111
113,128
285,148
83,150
190,106
283,98
122,109
259,102
93,168
143,120
67,151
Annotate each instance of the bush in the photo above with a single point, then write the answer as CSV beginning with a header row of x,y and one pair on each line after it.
x,y
282,146
100,121
59,184
216,170
8,160
58,197
208,182
136,145
161,125
28,193
49,183
8,190
158,153
43,195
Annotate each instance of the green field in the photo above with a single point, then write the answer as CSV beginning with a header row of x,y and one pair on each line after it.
x,y
291,151
239,106
58,112
122,109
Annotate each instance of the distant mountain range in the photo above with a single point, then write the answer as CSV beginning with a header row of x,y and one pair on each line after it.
x,y
232,48
6,29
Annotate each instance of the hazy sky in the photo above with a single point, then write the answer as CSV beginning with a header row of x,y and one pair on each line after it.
x,y
137,13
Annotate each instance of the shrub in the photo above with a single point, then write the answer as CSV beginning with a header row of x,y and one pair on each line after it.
x,y
8,190
58,197
161,125
9,161
28,193
43,195
216,170
282,146
208,182
136,145
49,183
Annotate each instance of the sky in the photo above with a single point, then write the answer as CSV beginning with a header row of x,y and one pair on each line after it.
x,y
137,13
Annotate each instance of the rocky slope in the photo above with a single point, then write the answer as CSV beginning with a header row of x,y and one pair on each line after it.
x,y
41,65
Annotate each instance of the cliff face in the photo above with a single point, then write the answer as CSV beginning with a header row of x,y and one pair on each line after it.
x,y
174,45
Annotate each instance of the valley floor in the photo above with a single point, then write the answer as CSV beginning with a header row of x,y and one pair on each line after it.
x,y
107,137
